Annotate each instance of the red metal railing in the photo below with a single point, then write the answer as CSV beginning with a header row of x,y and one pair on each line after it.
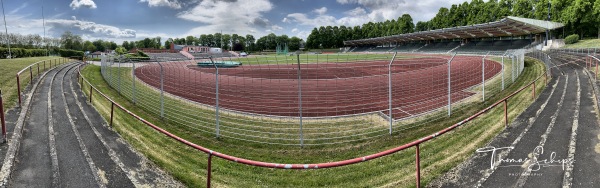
x,y
318,165
30,67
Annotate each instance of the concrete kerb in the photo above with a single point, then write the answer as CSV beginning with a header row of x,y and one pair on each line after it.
x,y
15,143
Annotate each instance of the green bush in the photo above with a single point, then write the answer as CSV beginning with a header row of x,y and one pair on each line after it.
x,y
20,52
70,53
142,54
572,39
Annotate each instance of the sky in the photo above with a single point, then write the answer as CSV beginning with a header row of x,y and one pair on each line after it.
x,y
131,20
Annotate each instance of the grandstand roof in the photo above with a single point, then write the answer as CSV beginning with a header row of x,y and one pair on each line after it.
x,y
509,26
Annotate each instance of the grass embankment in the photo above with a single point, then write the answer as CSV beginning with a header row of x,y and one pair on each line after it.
x,y
396,170
8,80
587,43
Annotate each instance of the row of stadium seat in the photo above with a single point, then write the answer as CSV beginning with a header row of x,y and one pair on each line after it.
x,y
454,46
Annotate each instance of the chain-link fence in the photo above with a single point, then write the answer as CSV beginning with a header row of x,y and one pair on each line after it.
x,y
311,99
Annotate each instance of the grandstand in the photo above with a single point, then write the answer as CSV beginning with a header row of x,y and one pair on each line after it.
x,y
440,47
464,39
166,56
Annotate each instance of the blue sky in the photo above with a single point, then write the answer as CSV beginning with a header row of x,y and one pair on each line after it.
x,y
120,20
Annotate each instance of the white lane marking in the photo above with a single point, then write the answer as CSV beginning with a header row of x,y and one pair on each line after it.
x,y
532,120
51,139
568,176
523,178
111,152
84,150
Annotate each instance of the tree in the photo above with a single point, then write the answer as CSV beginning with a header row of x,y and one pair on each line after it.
x,y
126,45
294,43
120,50
190,40
100,45
89,46
250,42
596,13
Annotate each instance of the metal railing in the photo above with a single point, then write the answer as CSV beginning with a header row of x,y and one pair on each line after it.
x,y
414,143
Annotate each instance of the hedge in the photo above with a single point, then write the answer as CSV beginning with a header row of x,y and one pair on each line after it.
x,y
70,53
572,39
21,52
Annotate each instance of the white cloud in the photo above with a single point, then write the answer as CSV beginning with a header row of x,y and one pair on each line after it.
x,y
75,4
276,28
230,17
285,20
321,10
174,4
320,20
371,11
87,28
295,30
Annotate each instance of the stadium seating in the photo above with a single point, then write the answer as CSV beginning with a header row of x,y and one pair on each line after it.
x,y
440,47
166,56
488,45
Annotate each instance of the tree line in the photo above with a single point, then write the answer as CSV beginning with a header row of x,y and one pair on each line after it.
x,y
233,42
580,17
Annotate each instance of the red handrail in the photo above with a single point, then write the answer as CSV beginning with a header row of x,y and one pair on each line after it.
x,y
31,74
315,165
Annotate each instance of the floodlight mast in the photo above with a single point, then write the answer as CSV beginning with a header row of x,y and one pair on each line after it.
x,y
6,30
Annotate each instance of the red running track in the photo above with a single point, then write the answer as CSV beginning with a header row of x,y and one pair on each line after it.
x,y
419,85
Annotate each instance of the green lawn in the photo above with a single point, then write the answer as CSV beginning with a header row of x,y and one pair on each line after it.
x,y
396,170
8,80
587,43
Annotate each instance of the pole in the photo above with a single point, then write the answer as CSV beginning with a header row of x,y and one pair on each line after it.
x,y
483,75
4,139
6,30
162,90
505,113
208,170
300,99
19,89
450,86
418,166
390,91
217,128
133,82
112,109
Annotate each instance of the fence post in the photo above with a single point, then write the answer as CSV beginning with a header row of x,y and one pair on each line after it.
x,y
300,99
91,89
112,109
217,128
38,68
483,75
162,90
390,91
418,166
30,74
505,113
119,75
4,139
133,80
208,170
503,71
450,85
19,89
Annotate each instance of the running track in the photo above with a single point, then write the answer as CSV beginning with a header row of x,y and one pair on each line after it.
x,y
328,89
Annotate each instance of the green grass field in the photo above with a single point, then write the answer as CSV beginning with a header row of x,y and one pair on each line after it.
x,y
396,170
8,80
314,58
